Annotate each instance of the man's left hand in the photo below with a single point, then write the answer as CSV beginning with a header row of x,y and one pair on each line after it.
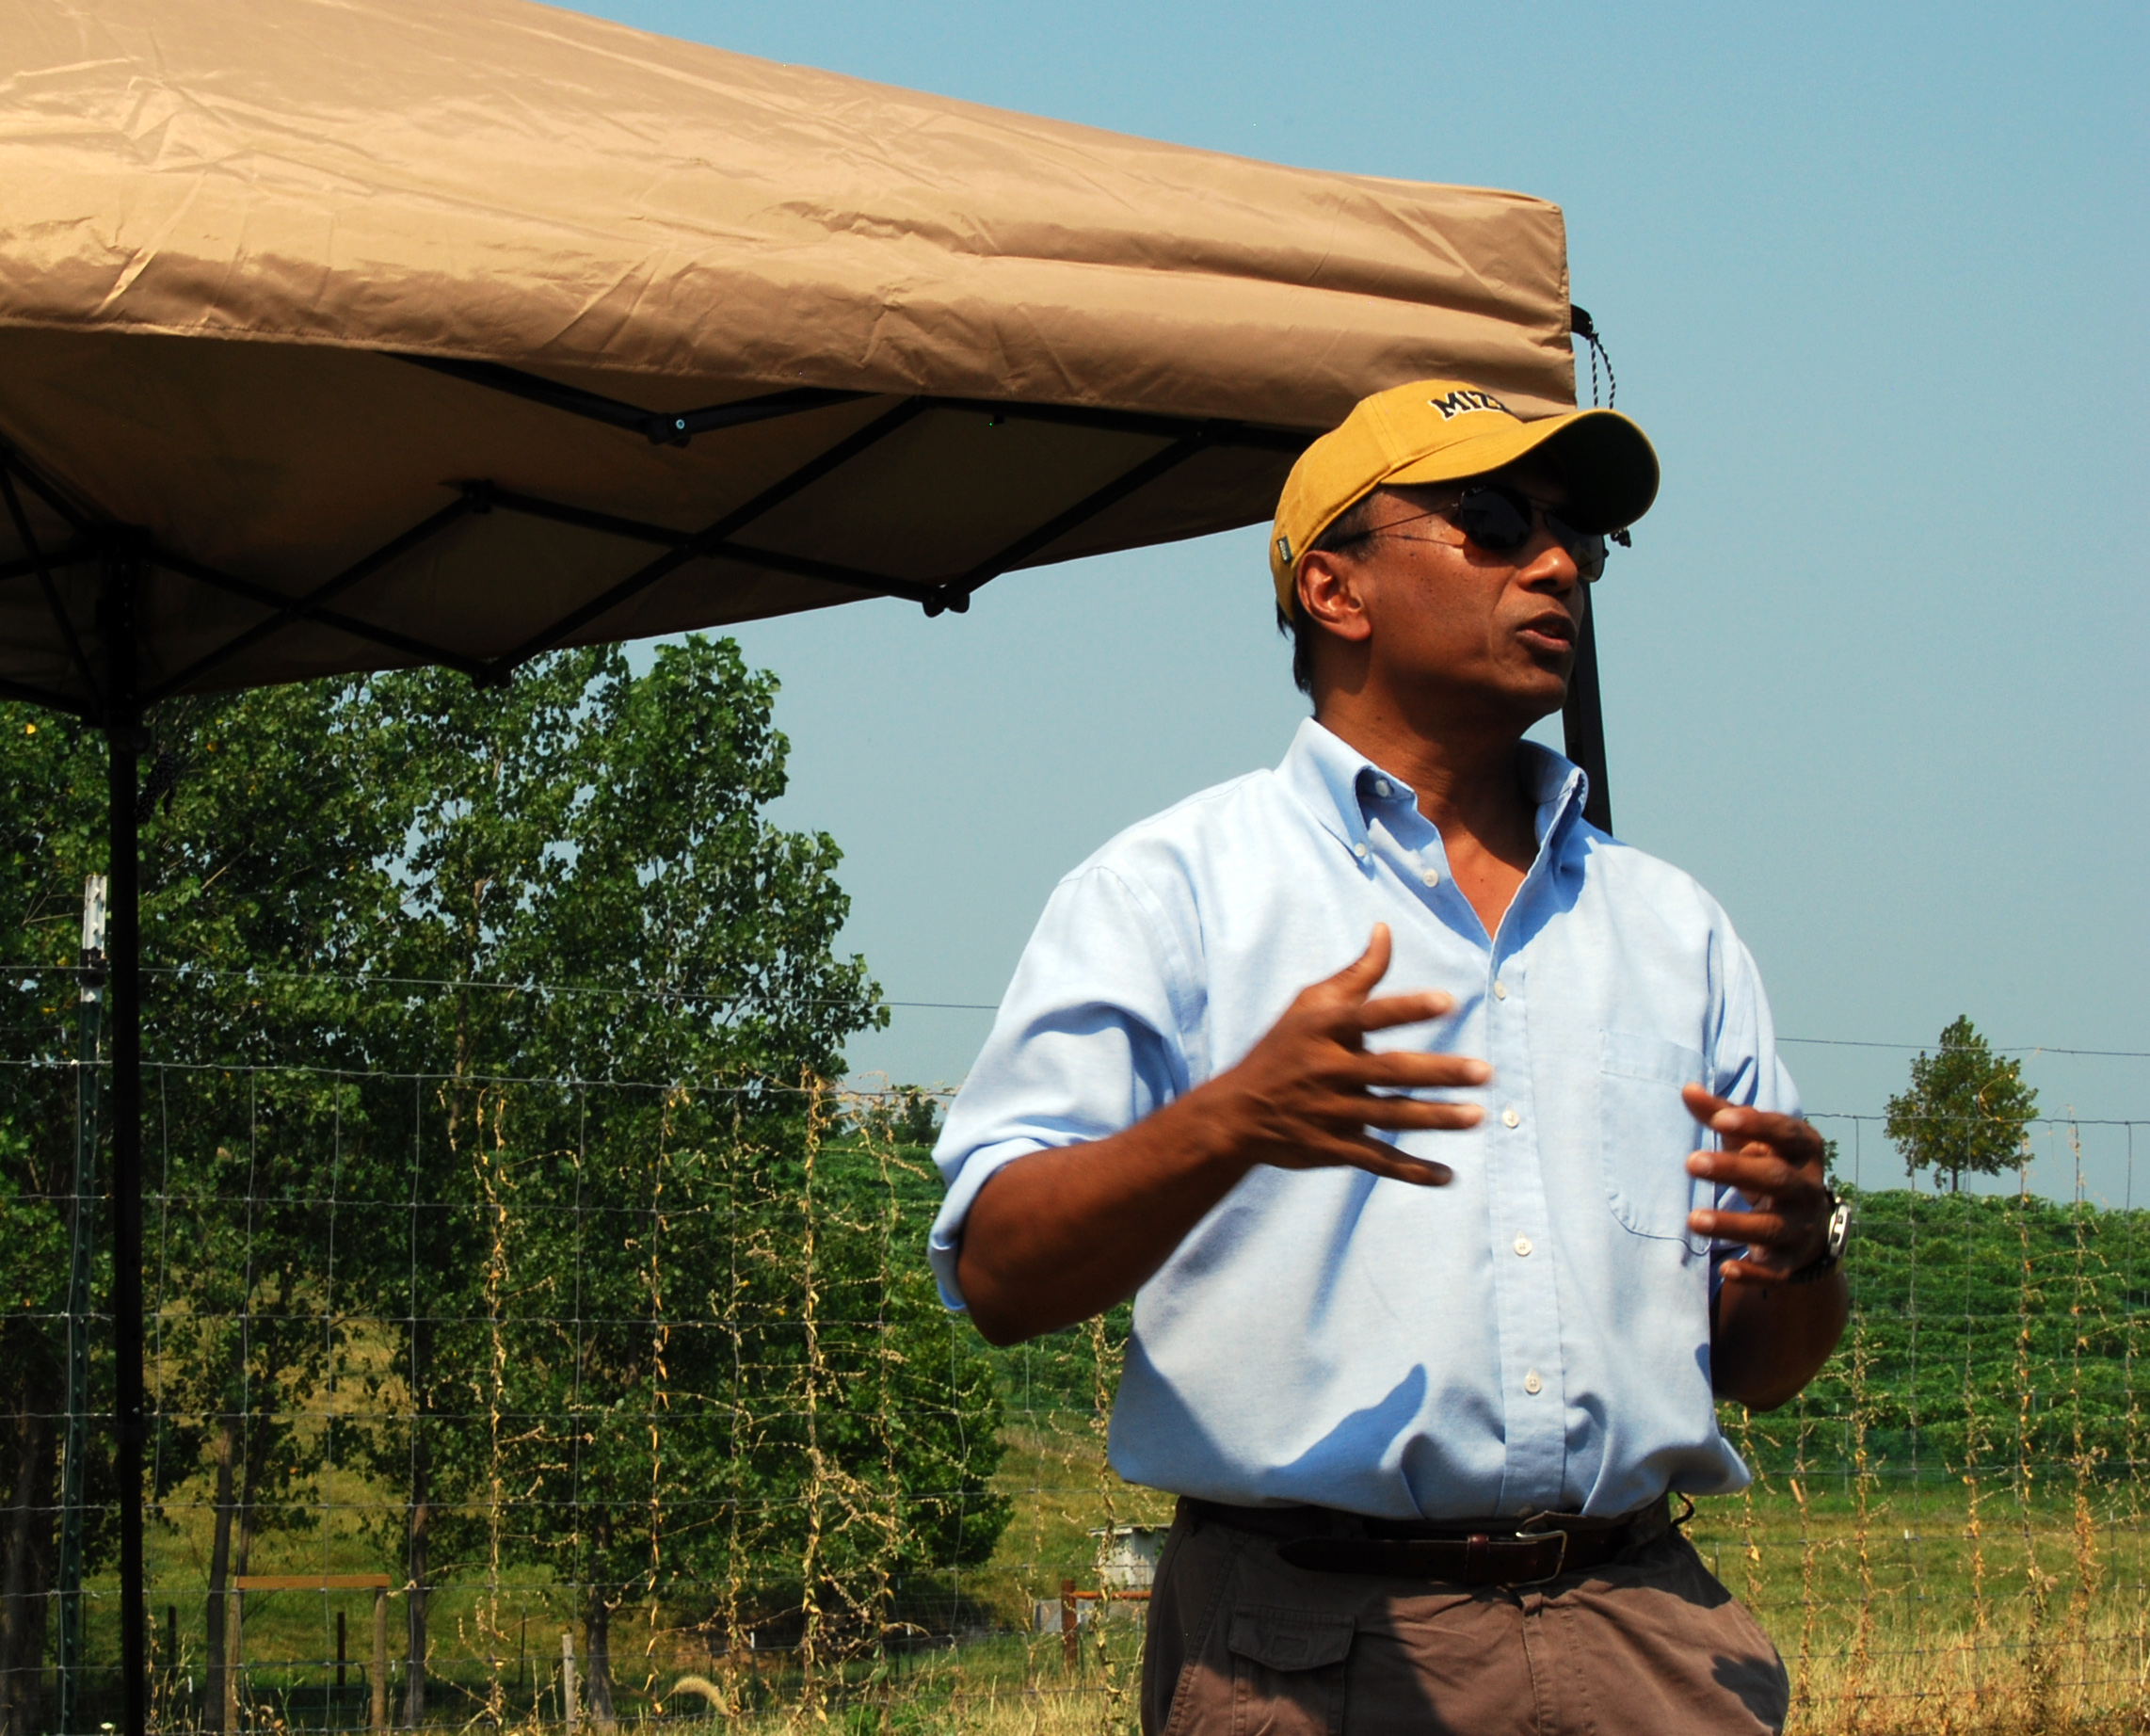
x,y
1776,1162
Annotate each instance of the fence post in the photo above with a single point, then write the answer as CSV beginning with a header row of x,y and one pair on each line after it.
x,y
378,1715
81,1239
567,1710
234,1648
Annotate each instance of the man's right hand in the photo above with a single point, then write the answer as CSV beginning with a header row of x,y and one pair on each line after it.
x,y
1306,1094
1062,1234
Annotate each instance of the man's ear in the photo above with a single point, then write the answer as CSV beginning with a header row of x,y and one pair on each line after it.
x,y
1330,593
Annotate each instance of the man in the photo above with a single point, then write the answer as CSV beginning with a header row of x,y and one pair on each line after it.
x,y
1429,1311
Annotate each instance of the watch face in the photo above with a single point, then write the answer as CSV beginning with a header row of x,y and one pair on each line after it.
x,y
1839,1229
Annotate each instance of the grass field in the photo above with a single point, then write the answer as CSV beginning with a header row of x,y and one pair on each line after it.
x,y
1899,1606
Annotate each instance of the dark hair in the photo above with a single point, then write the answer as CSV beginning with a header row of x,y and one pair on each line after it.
x,y
1349,526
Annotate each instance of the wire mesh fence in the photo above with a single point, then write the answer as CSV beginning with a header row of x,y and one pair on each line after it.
x,y
530,1401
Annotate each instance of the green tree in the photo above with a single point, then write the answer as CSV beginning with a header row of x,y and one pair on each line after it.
x,y
593,840
272,889
486,1031
1967,1109
46,844
641,1293
236,897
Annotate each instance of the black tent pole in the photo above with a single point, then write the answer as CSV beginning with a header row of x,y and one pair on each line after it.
x,y
124,739
1583,720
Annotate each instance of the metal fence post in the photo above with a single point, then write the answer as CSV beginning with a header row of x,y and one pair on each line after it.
x,y
82,1245
235,1651
379,1715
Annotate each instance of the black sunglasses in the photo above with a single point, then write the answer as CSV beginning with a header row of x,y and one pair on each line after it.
x,y
1501,520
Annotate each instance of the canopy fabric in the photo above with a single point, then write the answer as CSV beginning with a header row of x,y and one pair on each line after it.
x,y
373,333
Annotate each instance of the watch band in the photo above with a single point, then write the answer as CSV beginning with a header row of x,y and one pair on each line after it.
x,y
1835,1239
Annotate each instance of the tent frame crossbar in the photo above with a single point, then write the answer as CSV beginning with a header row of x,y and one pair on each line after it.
x,y
677,427
73,554
691,545
310,605
718,532
46,584
659,427
958,592
715,541
49,702
293,612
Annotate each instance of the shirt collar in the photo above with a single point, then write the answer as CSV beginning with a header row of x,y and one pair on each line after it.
x,y
1340,786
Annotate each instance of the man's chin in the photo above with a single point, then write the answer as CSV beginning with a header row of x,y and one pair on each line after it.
x,y
1544,691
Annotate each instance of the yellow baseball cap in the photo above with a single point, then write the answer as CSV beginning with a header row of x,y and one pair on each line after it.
x,y
1444,430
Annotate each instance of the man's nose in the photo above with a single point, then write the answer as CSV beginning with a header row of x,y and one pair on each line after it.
x,y
1547,565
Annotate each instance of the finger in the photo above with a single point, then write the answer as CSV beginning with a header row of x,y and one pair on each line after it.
x,y
1757,1172
1378,1159
1751,1272
1797,1139
1759,1229
1403,1113
1396,1010
1408,1069
1345,1112
1357,979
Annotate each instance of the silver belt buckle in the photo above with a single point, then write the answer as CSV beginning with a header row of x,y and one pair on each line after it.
x,y
1559,1564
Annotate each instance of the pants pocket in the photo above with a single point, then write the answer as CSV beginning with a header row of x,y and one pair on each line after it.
x,y
1288,1671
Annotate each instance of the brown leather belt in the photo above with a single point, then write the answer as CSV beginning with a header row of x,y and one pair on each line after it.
x,y
1463,1552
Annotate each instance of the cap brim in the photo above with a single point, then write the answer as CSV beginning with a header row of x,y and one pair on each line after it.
x,y
1604,462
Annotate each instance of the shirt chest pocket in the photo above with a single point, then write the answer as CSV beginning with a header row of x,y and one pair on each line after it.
x,y
1645,1133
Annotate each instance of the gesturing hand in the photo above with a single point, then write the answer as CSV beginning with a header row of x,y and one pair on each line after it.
x,y
1777,1163
1306,1093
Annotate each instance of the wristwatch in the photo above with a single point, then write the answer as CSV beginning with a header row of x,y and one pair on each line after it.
x,y
1832,1254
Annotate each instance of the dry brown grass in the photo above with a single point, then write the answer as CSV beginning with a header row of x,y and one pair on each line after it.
x,y
1990,1684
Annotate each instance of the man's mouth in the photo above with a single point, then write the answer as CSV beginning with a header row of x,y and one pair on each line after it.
x,y
1556,631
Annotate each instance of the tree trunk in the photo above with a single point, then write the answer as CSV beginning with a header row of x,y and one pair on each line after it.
x,y
25,1578
261,1442
225,1449
597,1643
261,1433
414,1601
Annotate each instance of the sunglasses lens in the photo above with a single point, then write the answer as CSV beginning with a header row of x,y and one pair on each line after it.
x,y
1493,520
1501,522
1585,548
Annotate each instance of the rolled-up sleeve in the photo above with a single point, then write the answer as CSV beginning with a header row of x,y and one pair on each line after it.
x,y
1089,1040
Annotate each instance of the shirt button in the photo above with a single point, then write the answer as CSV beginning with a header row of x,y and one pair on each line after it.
x,y
1359,850
1532,1385
1499,989
1381,787
1510,1118
1523,1246
1432,877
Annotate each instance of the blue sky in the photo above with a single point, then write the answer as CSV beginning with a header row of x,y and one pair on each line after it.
x,y
1874,279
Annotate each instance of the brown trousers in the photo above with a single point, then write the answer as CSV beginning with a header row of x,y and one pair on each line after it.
x,y
1241,1644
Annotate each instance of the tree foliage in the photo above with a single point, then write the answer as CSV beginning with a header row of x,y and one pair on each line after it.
x,y
487,1032
1967,1108
1990,1336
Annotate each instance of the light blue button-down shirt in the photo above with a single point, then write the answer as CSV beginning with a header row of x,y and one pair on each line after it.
x,y
1533,1336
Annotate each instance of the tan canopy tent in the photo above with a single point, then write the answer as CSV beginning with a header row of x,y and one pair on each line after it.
x,y
406,332
343,335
